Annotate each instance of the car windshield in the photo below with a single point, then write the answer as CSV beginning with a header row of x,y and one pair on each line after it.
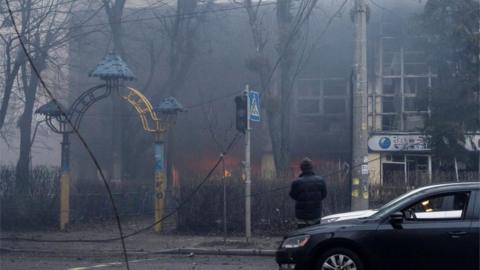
x,y
392,204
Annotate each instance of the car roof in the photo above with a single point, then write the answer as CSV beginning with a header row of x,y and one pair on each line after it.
x,y
453,186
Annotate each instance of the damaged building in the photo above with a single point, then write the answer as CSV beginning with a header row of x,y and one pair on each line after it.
x,y
321,117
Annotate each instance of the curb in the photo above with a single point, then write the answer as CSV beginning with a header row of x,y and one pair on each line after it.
x,y
177,251
206,251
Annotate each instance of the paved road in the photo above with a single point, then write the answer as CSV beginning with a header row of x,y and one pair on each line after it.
x,y
17,261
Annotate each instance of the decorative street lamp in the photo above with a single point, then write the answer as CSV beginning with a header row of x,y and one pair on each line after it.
x,y
166,113
156,121
112,69
56,120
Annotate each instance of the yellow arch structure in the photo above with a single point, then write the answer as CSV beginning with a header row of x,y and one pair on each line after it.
x,y
150,122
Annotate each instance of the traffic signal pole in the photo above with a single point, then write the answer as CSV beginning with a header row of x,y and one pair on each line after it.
x,y
248,181
243,106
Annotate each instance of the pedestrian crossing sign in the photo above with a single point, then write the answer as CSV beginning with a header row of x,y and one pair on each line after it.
x,y
254,106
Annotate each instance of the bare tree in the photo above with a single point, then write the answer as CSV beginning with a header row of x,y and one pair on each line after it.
x,y
181,33
290,17
180,30
13,58
114,10
170,43
42,29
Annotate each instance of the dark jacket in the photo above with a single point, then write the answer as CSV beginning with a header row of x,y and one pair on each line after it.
x,y
308,191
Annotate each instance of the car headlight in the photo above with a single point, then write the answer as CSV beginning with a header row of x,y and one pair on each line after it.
x,y
296,241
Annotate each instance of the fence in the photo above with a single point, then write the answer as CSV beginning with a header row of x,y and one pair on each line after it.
x,y
272,208
37,208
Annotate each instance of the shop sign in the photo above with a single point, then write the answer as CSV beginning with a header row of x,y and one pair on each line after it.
x,y
389,143
413,143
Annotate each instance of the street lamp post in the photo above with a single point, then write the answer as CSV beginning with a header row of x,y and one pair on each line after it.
x,y
156,120
65,183
166,113
51,113
112,69
160,179
65,121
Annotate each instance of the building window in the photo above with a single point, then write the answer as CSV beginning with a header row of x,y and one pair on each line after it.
x,y
389,122
416,85
334,106
406,79
391,85
322,96
308,106
388,104
309,89
335,88
410,104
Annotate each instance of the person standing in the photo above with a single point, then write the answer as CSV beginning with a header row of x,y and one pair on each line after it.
x,y
308,191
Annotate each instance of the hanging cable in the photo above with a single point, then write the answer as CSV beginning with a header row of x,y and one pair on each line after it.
x,y
82,140
146,228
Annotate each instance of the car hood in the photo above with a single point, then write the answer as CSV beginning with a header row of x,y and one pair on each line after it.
x,y
348,216
335,222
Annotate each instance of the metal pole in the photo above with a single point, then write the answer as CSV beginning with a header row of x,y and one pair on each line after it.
x,y
405,169
402,89
65,183
160,179
224,202
430,176
248,181
360,109
478,111
116,176
456,169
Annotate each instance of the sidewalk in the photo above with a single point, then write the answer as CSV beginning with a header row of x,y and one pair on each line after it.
x,y
144,243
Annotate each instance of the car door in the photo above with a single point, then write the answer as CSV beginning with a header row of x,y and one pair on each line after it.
x,y
475,232
434,234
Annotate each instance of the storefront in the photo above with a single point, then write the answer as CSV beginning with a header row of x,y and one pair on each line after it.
x,y
400,158
407,158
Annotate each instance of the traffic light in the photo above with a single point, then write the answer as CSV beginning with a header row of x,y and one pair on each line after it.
x,y
241,113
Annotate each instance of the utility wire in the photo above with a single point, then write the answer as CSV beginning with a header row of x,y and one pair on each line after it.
x,y
188,107
41,7
182,204
329,174
145,18
82,140
208,175
213,100
65,2
296,27
278,189
391,11
123,237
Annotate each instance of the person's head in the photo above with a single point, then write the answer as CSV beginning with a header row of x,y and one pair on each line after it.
x,y
306,165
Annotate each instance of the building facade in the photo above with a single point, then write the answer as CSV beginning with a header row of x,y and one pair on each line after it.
x,y
400,83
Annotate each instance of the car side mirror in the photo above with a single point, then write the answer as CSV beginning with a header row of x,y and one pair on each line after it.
x,y
396,218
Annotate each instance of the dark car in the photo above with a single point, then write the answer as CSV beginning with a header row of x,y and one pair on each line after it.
x,y
434,227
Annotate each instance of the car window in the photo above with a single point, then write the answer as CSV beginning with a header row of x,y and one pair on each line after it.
x,y
395,202
447,206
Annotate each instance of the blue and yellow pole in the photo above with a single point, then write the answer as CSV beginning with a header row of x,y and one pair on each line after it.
x,y
160,180
65,183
